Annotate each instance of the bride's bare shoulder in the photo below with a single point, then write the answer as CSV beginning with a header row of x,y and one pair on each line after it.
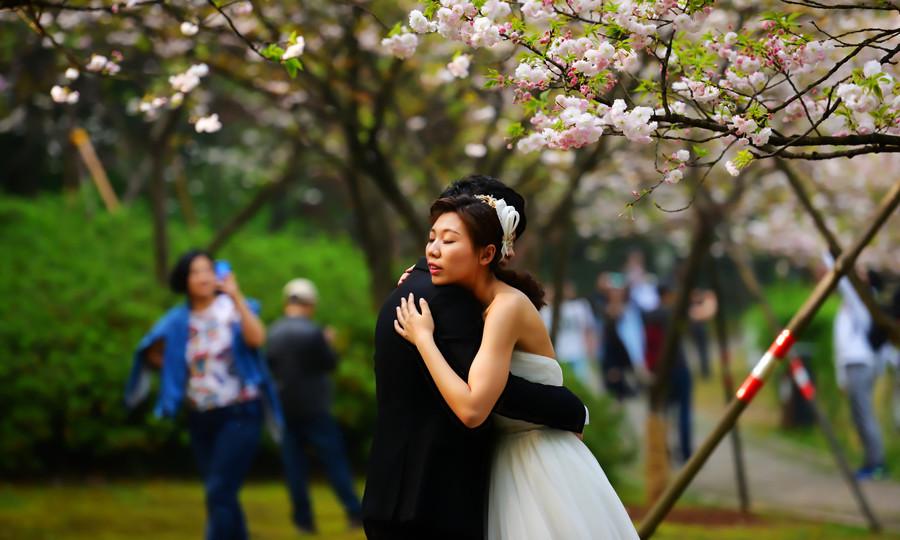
x,y
511,300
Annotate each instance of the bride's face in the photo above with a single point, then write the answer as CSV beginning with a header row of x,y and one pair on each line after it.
x,y
451,254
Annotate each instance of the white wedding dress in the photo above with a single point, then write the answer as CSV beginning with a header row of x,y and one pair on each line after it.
x,y
545,483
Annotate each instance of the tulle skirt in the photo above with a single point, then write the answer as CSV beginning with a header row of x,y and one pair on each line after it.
x,y
546,485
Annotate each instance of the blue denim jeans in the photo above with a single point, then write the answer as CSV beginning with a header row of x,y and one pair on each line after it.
x,y
225,441
861,379
322,434
680,388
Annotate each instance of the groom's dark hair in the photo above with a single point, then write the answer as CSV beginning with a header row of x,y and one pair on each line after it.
x,y
482,184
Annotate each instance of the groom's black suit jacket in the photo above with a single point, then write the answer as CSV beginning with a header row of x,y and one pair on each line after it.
x,y
425,466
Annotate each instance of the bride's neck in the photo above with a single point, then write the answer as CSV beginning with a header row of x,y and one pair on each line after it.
x,y
485,287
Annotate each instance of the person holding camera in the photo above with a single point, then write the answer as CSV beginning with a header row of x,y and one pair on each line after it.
x,y
207,353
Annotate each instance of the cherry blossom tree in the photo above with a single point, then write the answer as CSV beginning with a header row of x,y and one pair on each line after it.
x,y
268,94
709,82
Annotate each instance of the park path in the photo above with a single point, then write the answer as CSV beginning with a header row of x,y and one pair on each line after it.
x,y
783,477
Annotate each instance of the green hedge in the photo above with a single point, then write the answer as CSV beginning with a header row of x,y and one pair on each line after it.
x,y
611,441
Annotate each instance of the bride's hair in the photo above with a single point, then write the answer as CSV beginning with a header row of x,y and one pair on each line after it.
x,y
484,228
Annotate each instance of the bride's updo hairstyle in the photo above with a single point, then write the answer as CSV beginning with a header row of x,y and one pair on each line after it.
x,y
483,226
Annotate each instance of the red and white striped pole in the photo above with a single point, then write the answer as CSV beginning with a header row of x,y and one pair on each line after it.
x,y
802,379
763,369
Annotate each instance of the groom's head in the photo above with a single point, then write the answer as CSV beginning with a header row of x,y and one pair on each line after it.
x,y
480,184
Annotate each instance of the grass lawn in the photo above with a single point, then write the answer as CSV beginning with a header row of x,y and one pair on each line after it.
x,y
167,509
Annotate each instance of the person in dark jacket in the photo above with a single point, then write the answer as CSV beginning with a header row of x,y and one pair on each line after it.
x,y
302,362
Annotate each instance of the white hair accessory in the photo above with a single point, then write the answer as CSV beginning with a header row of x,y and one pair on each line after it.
x,y
509,220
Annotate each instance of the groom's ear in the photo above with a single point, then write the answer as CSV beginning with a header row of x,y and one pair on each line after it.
x,y
487,254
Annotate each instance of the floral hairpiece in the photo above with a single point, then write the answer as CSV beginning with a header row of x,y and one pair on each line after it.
x,y
509,220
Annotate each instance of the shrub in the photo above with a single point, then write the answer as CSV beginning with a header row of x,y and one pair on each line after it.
x,y
609,439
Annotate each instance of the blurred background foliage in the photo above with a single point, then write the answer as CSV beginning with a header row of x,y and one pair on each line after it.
x,y
79,296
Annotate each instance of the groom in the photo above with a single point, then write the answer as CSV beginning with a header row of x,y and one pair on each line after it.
x,y
428,474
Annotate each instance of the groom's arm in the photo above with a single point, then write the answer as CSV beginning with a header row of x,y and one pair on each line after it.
x,y
552,406
458,336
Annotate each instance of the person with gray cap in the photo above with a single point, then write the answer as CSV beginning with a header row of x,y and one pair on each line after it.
x,y
302,360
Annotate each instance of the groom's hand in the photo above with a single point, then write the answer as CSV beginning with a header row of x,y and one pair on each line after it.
x,y
405,275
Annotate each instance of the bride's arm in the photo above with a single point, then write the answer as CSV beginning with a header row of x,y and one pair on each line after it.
x,y
471,400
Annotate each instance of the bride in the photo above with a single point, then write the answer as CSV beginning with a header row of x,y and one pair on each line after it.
x,y
545,483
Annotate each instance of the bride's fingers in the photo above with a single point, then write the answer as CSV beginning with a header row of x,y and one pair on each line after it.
x,y
404,307
399,328
400,316
423,305
412,304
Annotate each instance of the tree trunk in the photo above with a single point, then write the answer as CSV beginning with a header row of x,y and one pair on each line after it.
x,y
737,452
161,139
279,210
560,269
377,248
182,190
245,214
657,476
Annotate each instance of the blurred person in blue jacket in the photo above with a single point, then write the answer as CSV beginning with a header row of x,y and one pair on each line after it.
x,y
207,352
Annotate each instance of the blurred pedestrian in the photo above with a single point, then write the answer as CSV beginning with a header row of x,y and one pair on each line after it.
x,y
302,362
615,362
858,368
702,309
641,284
888,353
622,339
575,342
680,383
206,351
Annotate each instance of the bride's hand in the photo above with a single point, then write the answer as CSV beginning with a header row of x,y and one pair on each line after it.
x,y
410,323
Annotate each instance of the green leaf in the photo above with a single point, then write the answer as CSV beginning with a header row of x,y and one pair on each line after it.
x,y
699,151
646,86
518,25
742,159
515,130
533,106
273,52
396,30
493,78
293,66
431,8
